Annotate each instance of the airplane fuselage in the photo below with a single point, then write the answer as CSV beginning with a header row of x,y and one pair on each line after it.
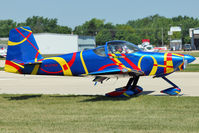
x,y
85,62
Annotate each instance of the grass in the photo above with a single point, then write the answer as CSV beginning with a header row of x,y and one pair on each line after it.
x,y
192,53
1,58
65,113
192,68
3,42
49,55
195,54
1,68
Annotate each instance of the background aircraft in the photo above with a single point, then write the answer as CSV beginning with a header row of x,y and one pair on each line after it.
x,y
3,51
115,58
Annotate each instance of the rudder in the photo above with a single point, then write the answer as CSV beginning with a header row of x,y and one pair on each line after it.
x,y
22,49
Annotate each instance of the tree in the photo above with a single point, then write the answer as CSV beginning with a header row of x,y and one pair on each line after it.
x,y
6,26
127,33
40,24
91,27
103,36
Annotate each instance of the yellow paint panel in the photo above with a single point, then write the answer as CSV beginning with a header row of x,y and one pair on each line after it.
x,y
11,69
154,69
177,54
126,95
18,64
16,43
169,70
83,63
161,66
35,70
62,62
177,92
25,29
165,56
169,63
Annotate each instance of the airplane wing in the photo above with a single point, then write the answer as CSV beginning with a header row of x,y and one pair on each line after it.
x,y
101,75
117,71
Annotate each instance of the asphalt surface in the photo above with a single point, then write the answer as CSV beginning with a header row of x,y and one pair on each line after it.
x,y
34,84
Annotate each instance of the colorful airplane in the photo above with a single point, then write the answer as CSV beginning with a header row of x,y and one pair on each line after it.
x,y
115,58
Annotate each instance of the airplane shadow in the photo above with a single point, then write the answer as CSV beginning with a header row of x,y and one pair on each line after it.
x,y
97,98
91,98
22,97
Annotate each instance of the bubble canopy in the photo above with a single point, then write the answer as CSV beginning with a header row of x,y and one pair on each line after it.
x,y
121,47
116,47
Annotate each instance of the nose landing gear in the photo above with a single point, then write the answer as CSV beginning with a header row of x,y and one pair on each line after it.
x,y
173,91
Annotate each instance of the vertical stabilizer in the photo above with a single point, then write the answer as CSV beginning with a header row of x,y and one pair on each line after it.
x,y
22,49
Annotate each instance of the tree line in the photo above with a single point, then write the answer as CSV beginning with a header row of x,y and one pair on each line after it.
x,y
154,27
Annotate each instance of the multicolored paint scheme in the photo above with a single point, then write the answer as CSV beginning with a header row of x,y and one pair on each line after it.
x,y
24,57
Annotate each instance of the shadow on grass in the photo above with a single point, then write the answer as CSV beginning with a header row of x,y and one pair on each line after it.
x,y
90,98
96,98
105,98
22,97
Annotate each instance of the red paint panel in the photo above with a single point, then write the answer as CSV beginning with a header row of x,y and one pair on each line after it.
x,y
70,63
169,57
51,72
26,37
103,67
130,62
65,67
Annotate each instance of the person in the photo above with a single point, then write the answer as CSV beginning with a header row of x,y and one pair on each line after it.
x,y
119,50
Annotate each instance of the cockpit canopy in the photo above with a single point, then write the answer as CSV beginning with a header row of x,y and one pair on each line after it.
x,y
116,47
121,47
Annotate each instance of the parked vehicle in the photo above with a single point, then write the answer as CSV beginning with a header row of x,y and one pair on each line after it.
x,y
187,47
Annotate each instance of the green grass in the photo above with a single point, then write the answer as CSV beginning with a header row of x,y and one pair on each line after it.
x,y
192,68
49,55
192,53
1,68
3,42
2,58
72,114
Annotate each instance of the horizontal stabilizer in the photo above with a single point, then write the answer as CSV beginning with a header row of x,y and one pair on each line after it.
x,y
32,62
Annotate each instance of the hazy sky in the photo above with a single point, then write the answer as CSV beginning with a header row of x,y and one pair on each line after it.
x,y
75,12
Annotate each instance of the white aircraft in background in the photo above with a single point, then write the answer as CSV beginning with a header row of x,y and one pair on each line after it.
x,y
3,51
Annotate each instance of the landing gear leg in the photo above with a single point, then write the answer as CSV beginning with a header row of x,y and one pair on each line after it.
x,y
175,90
130,89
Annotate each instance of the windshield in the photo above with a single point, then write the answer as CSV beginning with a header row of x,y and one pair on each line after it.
x,y
100,51
121,47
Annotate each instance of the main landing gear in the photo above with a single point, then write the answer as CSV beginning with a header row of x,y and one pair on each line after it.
x,y
132,89
129,90
173,91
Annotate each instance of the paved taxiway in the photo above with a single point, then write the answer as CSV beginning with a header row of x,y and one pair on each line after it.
x,y
34,84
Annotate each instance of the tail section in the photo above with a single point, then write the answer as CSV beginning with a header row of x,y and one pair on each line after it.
x,y
22,49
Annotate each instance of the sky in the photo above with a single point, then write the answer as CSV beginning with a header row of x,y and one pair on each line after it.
x,y
75,12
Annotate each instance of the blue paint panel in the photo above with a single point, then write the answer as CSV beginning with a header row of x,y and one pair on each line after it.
x,y
147,64
51,66
160,70
177,60
94,62
77,67
28,69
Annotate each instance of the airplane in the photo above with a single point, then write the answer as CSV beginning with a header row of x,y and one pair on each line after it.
x,y
3,52
114,59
